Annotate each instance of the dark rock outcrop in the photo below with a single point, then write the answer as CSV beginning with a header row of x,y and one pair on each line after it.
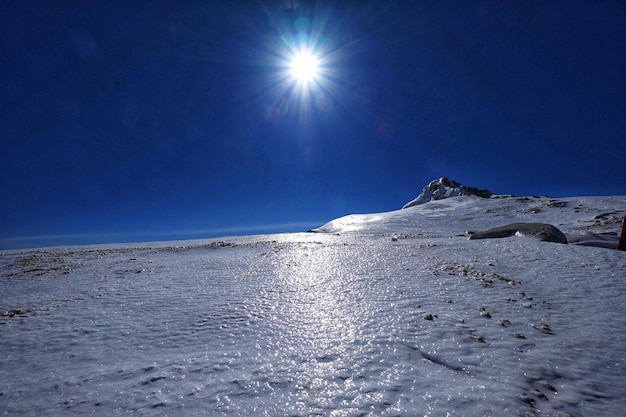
x,y
542,231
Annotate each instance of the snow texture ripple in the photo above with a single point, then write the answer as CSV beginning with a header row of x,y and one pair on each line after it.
x,y
315,324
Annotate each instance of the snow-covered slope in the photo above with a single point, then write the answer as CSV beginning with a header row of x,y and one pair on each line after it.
x,y
398,315
582,219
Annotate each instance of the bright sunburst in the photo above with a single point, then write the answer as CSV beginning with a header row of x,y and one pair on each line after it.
x,y
305,77
304,67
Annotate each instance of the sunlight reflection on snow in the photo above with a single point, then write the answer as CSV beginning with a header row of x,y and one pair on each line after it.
x,y
316,317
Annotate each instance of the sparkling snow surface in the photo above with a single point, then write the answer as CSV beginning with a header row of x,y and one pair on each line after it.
x,y
401,316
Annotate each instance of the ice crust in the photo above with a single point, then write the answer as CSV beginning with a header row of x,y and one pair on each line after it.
x,y
390,314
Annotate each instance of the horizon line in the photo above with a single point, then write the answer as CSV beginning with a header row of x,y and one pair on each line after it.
x,y
49,240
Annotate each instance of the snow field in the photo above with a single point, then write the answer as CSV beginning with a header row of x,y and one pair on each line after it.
x,y
315,324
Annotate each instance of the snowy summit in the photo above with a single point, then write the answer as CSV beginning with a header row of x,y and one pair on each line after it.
x,y
445,188
383,314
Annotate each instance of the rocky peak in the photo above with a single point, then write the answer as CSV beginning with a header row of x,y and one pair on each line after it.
x,y
445,188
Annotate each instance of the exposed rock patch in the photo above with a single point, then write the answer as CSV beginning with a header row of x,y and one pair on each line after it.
x,y
543,231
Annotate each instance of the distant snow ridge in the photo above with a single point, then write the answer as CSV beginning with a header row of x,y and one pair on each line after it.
x,y
445,188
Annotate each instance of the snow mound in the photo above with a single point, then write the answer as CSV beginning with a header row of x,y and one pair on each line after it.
x,y
445,188
585,221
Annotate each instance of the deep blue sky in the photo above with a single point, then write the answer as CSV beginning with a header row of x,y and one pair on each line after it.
x,y
150,120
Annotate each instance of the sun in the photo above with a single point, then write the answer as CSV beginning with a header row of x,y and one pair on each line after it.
x,y
304,67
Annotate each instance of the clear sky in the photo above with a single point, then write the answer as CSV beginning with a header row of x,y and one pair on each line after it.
x,y
160,120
